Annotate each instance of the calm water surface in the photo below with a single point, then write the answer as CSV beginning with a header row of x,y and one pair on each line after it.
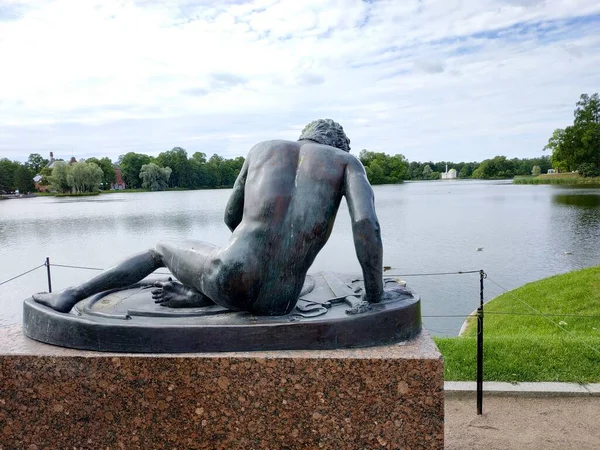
x,y
527,233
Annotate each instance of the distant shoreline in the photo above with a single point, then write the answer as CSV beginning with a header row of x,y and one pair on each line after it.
x,y
112,191
567,179
557,178
16,196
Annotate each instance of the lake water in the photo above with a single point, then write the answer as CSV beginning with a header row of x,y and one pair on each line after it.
x,y
527,233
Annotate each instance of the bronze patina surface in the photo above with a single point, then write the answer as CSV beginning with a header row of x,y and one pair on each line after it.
x,y
126,320
252,293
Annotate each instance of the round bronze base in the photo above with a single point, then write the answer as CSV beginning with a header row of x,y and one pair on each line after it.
x,y
329,316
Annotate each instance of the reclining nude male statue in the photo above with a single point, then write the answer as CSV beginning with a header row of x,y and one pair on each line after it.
x,y
281,213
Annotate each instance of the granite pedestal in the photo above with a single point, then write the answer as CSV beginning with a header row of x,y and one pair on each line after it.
x,y
378,397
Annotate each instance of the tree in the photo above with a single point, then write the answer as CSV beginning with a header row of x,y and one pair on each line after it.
x,y
213,171
84,177
376,174
154,177
23,179
131,164
497,167
427,172
465,170
177,160
384,169
199,157
577,147
588,170
58,179
108,170
536,171
36,163
45,173
7,175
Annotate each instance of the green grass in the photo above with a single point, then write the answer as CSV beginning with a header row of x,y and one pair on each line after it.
x,y
529,347
557,178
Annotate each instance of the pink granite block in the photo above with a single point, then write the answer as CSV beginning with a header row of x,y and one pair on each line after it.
x,y
380,397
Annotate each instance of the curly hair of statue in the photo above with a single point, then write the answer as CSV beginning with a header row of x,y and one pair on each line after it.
x,y
326,132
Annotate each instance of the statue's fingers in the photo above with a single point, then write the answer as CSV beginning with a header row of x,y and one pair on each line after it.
x,y
158,283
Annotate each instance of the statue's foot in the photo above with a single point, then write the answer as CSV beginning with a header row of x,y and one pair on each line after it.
x,y
59,301
176,295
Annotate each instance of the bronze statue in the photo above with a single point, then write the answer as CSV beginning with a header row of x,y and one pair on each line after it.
x,y
281,213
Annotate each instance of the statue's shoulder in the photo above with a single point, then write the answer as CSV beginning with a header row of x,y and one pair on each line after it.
x,y
353,161
274,144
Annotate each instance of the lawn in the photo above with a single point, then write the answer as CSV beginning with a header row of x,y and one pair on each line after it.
x,y
522,345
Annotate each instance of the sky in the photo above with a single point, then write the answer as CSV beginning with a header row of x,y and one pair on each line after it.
x,y
458,80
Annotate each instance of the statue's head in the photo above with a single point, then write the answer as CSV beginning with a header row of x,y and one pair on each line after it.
x,y
326,132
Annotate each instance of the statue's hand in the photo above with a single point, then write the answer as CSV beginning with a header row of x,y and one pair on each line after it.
x,y
372,298
395,292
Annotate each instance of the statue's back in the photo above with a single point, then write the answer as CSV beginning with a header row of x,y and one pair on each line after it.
x,y
292,193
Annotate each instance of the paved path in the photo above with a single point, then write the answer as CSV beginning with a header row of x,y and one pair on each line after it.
x,y
543,389
523,422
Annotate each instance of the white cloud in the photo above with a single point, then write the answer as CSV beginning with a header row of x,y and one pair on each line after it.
x,y
458,80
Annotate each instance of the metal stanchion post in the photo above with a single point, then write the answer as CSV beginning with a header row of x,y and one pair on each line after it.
x,y
47,264
482,275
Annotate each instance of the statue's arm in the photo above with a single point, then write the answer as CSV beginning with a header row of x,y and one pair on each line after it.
x,y
365,228
234,211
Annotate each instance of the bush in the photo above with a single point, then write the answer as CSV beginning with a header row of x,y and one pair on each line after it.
x,y
588,170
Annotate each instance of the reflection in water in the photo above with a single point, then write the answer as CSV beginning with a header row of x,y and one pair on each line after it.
x,y
88,199
578,217
586,211
583,200
426,227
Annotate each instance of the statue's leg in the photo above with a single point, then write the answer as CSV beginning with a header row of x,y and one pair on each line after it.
x,y
176,295
187,260
194,264
128,272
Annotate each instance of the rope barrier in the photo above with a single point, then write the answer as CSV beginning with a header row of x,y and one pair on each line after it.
x,y
95,268
450,316
504,313
385,274
536,313
24,273
75,267
461,272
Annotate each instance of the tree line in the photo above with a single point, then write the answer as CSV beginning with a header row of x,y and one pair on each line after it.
x,y
174,169
574,148
385,169
195,172
15,175
170,169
